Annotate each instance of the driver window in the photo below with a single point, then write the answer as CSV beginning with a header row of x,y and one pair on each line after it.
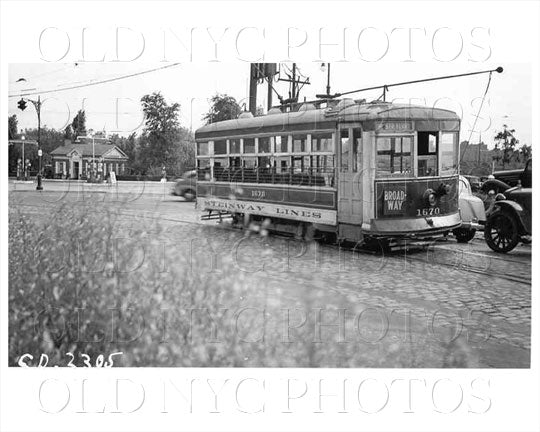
x,y
428,146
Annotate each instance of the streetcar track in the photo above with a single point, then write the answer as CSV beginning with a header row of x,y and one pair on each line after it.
x,y
153,215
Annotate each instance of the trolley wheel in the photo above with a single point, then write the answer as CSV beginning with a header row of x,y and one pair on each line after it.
x,y
309,232
463,235
501,232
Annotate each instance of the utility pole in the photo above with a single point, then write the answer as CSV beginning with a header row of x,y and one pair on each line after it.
x,y
253,74
294,83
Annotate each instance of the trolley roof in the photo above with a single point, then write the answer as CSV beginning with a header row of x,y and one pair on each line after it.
x,y
311,118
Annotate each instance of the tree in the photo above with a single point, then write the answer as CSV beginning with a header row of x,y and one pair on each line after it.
x,y
505,145
79,124
525,152
12,126
162,134
223,107
68,133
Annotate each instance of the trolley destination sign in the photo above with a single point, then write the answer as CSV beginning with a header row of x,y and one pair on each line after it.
x,y
303,214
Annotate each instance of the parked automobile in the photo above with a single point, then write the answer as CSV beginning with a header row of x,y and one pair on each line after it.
x,y
472,212
509,219
475,182
185,186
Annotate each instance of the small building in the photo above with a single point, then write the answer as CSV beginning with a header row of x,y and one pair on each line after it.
x,y
76,159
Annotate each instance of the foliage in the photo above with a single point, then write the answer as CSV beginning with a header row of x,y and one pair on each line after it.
x,y
12,127
525,152
68,133
223,107
50,139
79,124
163,142
505,145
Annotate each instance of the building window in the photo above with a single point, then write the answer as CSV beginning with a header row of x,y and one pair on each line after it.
x,y
249,145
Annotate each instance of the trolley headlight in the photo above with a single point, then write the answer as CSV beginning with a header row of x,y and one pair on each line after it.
x,y
430,197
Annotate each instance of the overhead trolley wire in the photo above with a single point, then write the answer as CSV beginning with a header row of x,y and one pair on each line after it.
x,y
88,84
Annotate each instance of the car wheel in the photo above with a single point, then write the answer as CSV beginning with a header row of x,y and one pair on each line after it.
x,y
189,194
501,232
464,235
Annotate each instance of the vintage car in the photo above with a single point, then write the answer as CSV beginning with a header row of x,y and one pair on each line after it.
x,y
186,186
509,219
472,212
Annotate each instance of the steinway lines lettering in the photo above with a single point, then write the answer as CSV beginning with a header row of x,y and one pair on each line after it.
x,y
269,210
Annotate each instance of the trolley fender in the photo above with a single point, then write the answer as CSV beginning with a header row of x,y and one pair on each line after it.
x,y
512,207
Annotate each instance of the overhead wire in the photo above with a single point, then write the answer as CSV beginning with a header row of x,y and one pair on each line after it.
x,y
462,153
93,83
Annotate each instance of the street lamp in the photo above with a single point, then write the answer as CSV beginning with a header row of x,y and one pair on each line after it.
x,y
325,67
37,106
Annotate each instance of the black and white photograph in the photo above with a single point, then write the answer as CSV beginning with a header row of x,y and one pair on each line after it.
x,y
314,218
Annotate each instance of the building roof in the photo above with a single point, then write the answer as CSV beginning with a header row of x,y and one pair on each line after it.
x,y
87,149
312,118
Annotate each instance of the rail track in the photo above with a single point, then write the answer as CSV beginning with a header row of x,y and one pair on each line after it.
x,y
460,259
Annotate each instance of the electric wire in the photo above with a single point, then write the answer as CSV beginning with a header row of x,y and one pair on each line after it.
x,y
88,84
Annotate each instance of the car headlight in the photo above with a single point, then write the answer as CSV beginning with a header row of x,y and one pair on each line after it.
x,y
499,197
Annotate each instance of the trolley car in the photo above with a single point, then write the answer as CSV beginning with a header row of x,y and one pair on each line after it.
x,y
346,169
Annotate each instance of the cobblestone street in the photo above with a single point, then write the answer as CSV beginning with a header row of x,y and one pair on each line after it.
x,y
448,305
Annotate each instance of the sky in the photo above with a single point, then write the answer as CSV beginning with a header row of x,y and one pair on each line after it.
x,y
115,106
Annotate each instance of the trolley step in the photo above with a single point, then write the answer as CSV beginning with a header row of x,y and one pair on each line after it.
x,y
216,215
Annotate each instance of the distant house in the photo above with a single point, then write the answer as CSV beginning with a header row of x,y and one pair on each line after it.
x,y
74,159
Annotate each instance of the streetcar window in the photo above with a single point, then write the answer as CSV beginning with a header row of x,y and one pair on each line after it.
x,y
299,143
394,156
323,166
345,149
234,145
202,149
249,145
357,150
427,154
220,165
281,143
282,165
264,145
220,147
234,162
322,142
264,162
449,153
250,162
203,169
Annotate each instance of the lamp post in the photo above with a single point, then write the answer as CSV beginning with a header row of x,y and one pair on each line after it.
x,y
326,67
37,106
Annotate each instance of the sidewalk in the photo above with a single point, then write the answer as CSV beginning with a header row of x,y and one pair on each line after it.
x,y
120,187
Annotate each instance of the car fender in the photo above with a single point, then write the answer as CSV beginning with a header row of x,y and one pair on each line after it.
x,y
512,207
